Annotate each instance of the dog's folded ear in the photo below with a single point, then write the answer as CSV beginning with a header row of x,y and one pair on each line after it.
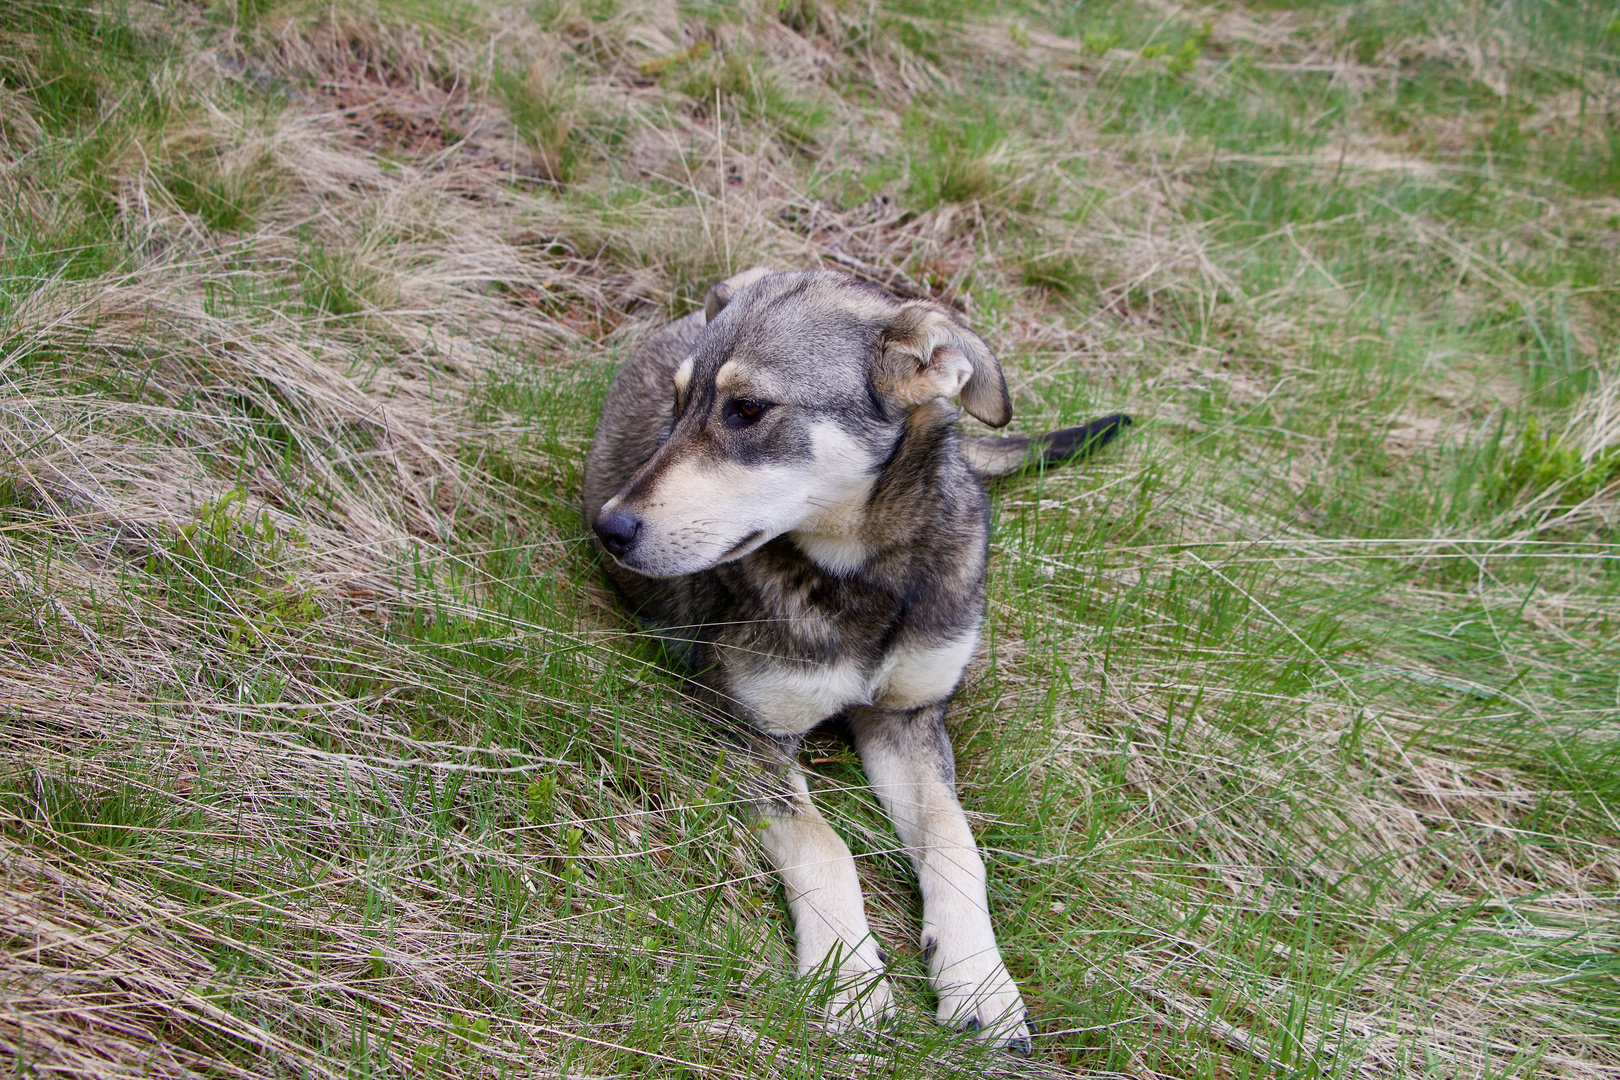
x,y
721,292
925,354
719,296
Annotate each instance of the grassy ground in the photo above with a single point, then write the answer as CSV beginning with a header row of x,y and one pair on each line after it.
x,y
1294,743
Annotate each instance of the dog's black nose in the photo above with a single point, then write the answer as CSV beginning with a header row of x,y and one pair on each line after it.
x,y
617,530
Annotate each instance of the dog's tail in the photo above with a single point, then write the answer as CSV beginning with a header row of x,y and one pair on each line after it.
x,y
990,456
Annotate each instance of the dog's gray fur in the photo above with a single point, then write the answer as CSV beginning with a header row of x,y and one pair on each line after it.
x,y
781,489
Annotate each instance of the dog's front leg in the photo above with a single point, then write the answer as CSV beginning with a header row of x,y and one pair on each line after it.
x,y
907,757
824,897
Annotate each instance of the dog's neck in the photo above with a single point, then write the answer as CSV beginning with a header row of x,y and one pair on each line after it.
x,y
845,537
840,554
834,536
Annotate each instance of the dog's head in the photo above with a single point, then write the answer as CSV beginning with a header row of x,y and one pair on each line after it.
x,y
794,397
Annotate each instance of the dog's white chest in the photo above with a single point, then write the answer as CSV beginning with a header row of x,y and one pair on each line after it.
x,y
791,697
909,677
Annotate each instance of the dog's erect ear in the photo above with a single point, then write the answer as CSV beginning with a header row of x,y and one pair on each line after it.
x,y
721,292
926,354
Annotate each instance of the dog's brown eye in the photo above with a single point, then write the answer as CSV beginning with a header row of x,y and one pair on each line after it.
x,y
744,411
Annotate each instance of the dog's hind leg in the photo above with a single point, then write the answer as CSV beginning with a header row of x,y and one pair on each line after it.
x,y
824,898
907,757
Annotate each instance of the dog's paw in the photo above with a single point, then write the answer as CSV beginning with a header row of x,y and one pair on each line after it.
x,y
863,1001
983,999
858,995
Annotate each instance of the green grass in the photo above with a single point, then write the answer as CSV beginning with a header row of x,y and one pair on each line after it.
x,y
1293,746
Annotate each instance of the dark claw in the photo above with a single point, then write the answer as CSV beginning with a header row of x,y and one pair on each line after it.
x,y
929,945
971,1026
1024,1046
883,956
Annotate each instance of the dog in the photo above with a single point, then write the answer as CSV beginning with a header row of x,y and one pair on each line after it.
x,y
779,489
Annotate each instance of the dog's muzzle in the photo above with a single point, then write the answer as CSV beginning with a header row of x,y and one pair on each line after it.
x,y
617,530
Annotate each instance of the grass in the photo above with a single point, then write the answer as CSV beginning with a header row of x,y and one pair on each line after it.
x,y
1294,742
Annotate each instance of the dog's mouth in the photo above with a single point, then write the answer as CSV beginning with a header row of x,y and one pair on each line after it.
x,y
742,546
